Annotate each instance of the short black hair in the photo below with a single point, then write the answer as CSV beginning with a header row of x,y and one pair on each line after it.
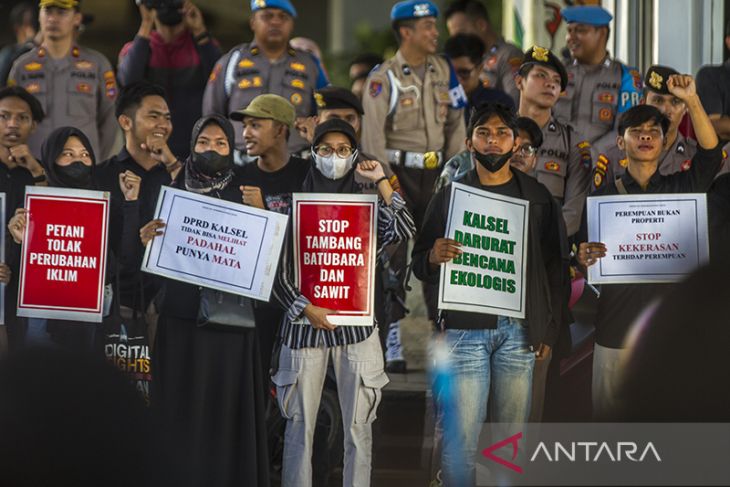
x,y
19,15
486,111
640,114
468,45
397,24
471,8
533,130
131,96
370,58
36,109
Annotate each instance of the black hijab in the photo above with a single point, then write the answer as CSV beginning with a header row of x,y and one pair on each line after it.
x,y
52,149
195,179
316,182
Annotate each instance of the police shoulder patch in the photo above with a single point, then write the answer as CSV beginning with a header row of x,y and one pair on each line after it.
x,y
375,88
552,166
686,165
33,66
295,99
597,179
246,63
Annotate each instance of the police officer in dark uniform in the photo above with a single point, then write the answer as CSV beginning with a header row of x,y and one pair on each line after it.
x,y
678,151
266,65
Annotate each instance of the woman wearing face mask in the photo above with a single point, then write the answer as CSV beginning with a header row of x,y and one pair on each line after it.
x,y
208,383
68,161
356,352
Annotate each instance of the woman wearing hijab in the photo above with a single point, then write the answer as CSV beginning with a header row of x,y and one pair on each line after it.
x,y
68,161
208,382
356,353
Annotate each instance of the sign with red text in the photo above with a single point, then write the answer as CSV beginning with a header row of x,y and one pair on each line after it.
x,y
63,264
335,244
216,244
649,238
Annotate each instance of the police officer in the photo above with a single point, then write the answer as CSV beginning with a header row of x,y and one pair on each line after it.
x,y
599,88
266,65
502,58
564,159
678,151
413,120
76,86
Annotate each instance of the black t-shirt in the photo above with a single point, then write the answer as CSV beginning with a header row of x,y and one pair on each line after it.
x,y
713,88
277,187
621,304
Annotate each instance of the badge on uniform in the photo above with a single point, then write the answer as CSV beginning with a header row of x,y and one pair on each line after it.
x,y
245,83
623,163
295,99
298,67
605,97
214,74
297,83
84,88
406,102
246,63
686,165
33,88
597,179
605,114
376,87
552,166
33,67
257,82
84,65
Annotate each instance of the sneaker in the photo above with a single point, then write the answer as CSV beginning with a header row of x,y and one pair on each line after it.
x,y
395,363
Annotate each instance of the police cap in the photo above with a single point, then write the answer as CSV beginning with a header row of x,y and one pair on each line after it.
x,y
656,78
284,5
587,14
544,57
334,97
413,9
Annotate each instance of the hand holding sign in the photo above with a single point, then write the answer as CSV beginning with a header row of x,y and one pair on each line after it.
x,y
318,317
129,184
17,223
444,250
151,230
5,273
590,252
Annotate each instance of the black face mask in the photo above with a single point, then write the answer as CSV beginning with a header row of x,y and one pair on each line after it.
x,y
169,15
75,175
211,163
492,162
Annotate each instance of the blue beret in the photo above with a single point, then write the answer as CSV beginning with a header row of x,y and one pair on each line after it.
x,y
413,9
284,5
589,14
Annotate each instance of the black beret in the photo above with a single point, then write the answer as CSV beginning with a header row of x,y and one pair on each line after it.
x,y
544,57
333,97
656,78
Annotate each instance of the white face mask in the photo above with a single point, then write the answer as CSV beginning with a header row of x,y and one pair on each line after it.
x,y
333,167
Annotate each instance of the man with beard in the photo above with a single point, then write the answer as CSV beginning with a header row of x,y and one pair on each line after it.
x,y
266,65
179,55
492,357
75,86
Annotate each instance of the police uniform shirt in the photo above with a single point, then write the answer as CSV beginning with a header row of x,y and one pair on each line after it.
x,y
612,161
245,73
405,112
500,66
78,90
596,95
564,167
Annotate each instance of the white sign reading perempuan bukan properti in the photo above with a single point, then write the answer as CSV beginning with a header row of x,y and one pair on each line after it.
x,y
649,238
489,275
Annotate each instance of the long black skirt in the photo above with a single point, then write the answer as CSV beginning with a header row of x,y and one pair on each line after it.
x,y
207,390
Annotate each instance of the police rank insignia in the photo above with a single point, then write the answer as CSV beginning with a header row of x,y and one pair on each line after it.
x,y
298,67
297,83
295,99
33,88
33,67
421,10
84,65
83,88
655,80
552,166
319,100
245,63
623,163
540,54
375,88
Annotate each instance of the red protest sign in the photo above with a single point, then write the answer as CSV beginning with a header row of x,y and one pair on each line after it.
x,y
334,251
63,263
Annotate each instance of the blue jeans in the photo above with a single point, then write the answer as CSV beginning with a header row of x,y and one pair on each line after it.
x,y
489,367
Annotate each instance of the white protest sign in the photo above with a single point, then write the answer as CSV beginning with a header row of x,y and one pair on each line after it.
x,y
489,276
216,244
649,238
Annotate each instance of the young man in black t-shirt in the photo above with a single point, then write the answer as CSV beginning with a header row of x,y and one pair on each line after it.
x,y
642,135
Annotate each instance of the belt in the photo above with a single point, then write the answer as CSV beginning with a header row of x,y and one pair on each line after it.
x,y
415,160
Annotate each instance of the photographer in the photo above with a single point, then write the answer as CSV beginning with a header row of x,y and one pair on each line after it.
x,y
178,55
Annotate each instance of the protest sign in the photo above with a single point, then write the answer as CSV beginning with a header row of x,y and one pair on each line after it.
x,y
63,263
216,244
335,243
489,276
2,257
649,238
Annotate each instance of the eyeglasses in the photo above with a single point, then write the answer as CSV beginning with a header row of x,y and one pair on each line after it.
x,y
527,150
341,151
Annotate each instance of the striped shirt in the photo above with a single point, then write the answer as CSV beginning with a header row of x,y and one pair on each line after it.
x,y
395,224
